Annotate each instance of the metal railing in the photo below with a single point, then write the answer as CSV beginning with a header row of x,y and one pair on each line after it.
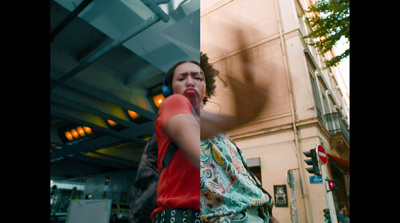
x,y
336,125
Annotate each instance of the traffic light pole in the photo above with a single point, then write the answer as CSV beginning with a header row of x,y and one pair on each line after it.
x,y
328,196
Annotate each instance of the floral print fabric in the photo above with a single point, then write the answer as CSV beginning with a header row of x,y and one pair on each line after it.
x,y
226,188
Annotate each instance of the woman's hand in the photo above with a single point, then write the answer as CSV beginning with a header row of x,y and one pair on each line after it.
x,y
249,100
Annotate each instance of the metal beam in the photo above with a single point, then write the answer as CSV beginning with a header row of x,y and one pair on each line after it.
x,y
102,162
95,92
74,167
69,18
113,137
95,111
66,113
84,147
143,26
113,159
144,75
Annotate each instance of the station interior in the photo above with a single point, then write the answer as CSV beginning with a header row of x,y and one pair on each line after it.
x,y
108,60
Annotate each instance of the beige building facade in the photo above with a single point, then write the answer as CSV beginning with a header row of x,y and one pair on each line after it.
x,y
306,106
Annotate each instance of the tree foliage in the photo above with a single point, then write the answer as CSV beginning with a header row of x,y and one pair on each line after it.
x,y
329,21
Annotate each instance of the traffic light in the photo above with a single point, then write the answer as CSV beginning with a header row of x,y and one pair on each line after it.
x,y
313,162
327,215
333,184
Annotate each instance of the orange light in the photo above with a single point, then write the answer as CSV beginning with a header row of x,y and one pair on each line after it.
x,y
133,114
146,138
158,99
69,136
75,133
111,122
87,130
81,131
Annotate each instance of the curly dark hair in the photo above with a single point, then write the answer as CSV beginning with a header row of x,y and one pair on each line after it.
x,y
209,73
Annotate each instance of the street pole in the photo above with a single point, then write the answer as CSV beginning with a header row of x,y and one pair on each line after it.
x,y
293,206
328,196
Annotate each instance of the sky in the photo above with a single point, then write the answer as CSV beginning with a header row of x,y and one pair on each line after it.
x,y
344,65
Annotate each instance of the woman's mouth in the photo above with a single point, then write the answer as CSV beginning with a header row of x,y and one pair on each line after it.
x,y
190,91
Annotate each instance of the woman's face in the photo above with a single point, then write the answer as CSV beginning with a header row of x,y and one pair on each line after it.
x,y
189,81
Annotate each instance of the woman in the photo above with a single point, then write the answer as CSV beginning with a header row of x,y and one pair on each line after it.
x,y
178,121
221,200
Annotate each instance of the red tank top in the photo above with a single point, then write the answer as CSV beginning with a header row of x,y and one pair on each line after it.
x,y
179,183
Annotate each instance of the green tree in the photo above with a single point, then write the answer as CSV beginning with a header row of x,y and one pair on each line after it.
x,y
329,21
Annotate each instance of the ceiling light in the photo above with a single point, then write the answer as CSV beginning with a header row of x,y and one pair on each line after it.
x,y
158,99
75,133
72,133
69,136
133,114
87,130
145,137
111,122
81,132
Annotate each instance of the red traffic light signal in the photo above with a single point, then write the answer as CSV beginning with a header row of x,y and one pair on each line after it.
x,y
333,185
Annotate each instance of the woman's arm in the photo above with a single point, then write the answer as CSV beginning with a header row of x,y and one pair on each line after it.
x,y
249,99
184,129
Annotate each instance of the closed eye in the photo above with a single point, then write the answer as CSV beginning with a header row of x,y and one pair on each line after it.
x,y
198,75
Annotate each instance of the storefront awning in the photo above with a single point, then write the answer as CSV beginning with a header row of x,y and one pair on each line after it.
x,y
341,163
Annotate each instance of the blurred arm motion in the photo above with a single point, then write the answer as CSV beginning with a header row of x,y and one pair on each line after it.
x,y
249,100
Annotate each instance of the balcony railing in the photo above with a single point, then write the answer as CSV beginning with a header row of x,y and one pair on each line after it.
x,y
336,125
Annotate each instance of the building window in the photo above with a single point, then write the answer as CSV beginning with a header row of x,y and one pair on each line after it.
x,y
254,166
317,98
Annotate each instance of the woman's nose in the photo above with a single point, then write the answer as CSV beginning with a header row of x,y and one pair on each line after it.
x,y
190,81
